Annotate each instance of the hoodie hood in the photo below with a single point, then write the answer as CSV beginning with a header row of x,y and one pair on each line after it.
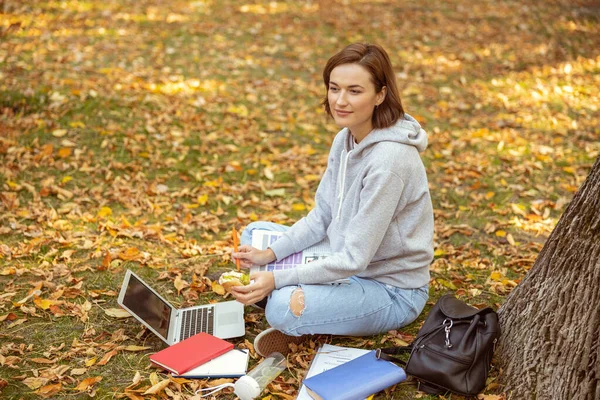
x,y
406,131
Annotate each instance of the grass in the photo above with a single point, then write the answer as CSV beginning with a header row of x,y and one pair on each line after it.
x,y
132,125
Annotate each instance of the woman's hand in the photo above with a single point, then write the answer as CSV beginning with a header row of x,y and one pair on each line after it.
x,y
249,256
262,284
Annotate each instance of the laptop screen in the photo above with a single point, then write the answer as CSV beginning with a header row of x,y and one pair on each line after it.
x,y
147,306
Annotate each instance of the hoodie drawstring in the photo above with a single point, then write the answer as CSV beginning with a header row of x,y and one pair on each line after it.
x,y
342,181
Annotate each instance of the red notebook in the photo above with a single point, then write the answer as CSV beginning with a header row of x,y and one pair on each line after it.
x,y
190,353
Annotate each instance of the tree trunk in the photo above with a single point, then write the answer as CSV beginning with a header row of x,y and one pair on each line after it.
x,y
550,343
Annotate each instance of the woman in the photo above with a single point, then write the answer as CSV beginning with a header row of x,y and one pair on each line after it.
x,y
372,205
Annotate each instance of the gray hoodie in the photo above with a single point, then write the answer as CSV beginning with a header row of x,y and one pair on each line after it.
x,y
373,206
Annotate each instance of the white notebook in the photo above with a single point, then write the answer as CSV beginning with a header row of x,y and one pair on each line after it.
x,y
261,239
232,364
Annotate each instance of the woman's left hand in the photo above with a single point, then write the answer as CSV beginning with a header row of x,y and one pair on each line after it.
x,y
263,285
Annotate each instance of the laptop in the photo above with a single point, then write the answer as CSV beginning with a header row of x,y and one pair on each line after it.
x,y
223,320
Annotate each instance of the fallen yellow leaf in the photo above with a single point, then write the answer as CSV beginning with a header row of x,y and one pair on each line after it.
x,y
77,124
157,388
211,184
218,289
125,221
446,283
91,362
500,233
180,284
221,381
104,212
489,397
42,361
399,342
133,347
154,379
49,390
87,382
34,383
8,271
510,239
268,174
275,192
518,209
78,371
202,200
240,110
59,132
496,276
136,379
129,254
298,207
44,304
24,213
117,313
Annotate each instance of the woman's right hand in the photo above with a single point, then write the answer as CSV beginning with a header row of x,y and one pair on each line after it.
x,y
250,256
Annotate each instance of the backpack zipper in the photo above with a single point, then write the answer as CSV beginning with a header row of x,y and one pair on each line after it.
x,y
462,360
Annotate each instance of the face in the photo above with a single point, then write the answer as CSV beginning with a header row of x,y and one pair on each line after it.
x,y
352,98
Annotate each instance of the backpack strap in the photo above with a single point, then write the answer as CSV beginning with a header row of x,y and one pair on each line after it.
x,y
451,307
389,353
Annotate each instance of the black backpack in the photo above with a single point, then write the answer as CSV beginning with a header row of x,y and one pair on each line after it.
x,y
453,349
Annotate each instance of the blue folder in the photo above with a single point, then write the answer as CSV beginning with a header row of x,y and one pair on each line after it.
x,y
355,379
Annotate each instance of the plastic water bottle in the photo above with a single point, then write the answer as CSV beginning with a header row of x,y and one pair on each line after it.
x,y
251,385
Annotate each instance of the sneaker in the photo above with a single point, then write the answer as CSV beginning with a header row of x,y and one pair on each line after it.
x,y
272,340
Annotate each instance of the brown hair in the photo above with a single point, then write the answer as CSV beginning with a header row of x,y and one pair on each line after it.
x,y
375,60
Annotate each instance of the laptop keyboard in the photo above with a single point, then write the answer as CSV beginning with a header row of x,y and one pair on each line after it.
x,y
196,321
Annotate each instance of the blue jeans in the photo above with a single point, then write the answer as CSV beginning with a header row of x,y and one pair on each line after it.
x,y
362,307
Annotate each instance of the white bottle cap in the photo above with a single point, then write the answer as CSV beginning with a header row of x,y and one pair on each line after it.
x,y
246,388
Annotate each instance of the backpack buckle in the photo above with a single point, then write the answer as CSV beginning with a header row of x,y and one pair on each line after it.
x,y
378,354
448,323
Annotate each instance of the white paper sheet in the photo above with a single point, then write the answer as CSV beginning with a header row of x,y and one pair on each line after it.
x,y
327,357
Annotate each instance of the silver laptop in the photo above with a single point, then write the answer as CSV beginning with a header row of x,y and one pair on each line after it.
x,y
223,320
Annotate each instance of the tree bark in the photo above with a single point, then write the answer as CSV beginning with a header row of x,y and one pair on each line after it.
x,y
550,343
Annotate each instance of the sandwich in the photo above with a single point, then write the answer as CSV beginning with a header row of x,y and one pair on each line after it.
x,y
233,278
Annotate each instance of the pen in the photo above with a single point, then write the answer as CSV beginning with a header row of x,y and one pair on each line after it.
x,y
236,242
